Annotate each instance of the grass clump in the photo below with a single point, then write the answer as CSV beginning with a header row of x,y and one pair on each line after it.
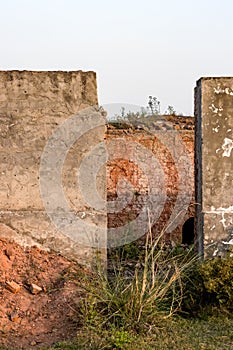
x,y
136,298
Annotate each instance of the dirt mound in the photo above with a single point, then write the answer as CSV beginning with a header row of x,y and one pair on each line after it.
x,y
50,315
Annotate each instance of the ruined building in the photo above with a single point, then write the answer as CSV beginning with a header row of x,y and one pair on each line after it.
x,y
75,185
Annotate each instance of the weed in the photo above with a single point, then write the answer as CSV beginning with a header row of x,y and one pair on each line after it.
x,y
120,338
217,276
135,299
208,287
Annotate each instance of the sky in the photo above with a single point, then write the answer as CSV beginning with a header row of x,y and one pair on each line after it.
x,y
137,48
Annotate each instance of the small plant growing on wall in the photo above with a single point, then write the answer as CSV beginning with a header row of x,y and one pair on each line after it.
x,y
153,105
170,110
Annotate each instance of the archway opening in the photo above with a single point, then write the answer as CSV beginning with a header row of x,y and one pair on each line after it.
x,y
188,232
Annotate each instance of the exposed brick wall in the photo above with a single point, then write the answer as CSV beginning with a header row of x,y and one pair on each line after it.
x,y
129,136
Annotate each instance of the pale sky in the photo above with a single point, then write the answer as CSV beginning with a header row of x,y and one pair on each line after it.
x,y
137,48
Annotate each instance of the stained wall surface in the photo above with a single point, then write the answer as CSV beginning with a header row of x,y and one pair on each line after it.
x,y
33,105
214,165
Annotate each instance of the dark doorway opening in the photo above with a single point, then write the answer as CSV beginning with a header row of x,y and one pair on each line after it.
x,y
188,232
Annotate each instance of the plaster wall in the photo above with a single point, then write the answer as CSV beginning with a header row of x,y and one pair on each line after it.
x,y
214,165
32,106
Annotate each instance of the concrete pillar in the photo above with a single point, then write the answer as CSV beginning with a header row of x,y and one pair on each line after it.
x,y
51,149
214,165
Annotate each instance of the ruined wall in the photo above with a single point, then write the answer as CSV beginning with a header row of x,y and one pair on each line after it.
x,y
32,106
53,171
156,158
214,165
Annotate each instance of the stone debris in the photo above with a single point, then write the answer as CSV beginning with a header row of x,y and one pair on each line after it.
x,y
13,286
9,253
14,316
24,317
35,289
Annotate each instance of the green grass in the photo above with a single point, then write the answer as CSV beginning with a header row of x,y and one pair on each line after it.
x,y
213,333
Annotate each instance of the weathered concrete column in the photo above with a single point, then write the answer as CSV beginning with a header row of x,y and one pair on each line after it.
x,y
214,165
50,162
